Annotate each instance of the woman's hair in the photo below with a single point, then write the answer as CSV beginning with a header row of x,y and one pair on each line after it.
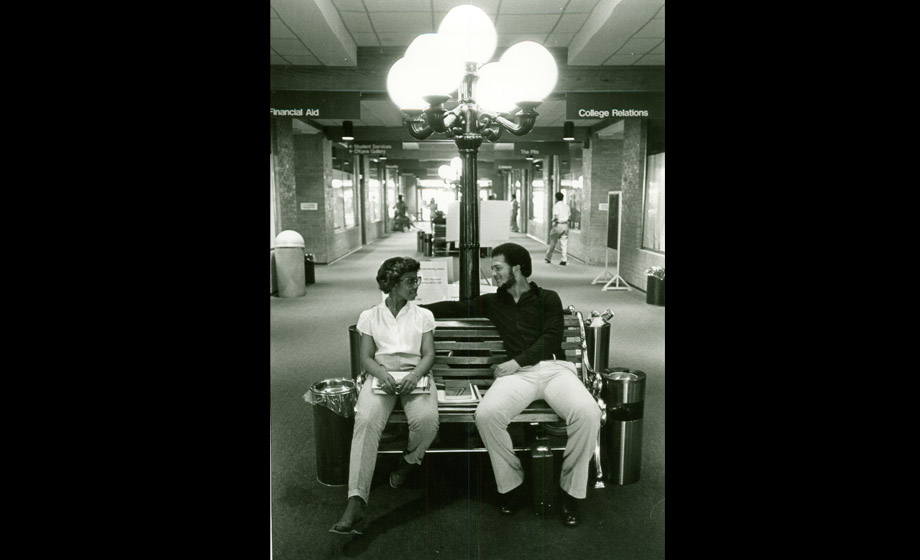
x,y
515,255
391,271
559,196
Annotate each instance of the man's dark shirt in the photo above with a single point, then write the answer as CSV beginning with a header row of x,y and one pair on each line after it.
x,y
531,328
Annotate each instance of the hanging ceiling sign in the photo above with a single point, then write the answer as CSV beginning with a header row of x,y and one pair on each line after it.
x,y
316,104
371,147
614,105
537,149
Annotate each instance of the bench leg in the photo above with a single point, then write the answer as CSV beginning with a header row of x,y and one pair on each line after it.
x,y
599,479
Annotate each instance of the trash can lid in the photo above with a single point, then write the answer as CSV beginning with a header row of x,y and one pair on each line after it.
x,y
289,238
622,376
333,386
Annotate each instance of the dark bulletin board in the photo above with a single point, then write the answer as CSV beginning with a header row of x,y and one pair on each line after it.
x,y
613,220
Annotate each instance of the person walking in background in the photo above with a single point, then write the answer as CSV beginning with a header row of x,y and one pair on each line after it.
x,y
514,213
560,231
432,209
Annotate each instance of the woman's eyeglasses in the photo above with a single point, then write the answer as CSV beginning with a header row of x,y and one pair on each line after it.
x,y
412,281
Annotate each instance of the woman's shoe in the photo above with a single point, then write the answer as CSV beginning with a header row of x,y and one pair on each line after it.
x,y
357,525
355,528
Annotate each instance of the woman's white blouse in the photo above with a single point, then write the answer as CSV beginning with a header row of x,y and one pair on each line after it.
x,y
396,335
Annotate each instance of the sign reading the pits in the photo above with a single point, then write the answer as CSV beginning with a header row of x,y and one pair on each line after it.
x,y
539,149
316,104
614,105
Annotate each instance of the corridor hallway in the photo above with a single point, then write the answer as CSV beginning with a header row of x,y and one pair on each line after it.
x,y
455,514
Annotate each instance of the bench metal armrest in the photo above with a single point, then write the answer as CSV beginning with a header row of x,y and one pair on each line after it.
x,y
590,376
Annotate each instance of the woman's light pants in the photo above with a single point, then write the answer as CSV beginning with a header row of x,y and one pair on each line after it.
x,y
371,416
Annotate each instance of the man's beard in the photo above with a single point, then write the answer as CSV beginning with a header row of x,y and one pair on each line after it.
x,y
511,282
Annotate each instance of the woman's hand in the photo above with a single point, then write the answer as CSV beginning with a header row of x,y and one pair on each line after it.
x,y
408,383
387,383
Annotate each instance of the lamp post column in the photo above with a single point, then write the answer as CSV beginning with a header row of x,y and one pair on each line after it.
x,y
468,144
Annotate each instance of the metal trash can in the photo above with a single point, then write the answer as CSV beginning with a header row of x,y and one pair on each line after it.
x,y
289,264
621,436
598,341
309,268
333,403
429,244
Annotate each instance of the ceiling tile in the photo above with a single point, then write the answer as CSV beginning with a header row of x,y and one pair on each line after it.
x,y
276,58
532,6
274,14
396,22
280,31
622,60
558,39
289,46
658,50
357,22
651,60
639,45
349,5
366,39
571,23
579,6
400,6
488,6
508,39
660,13
526,24
396,39
303,60
654,28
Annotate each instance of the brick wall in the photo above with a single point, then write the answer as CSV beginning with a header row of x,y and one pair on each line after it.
x,y
602,169
285,186
313,171
634,261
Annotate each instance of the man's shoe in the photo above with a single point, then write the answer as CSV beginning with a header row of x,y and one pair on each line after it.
x,y
562,263
401,473
569,510
547,261
509,501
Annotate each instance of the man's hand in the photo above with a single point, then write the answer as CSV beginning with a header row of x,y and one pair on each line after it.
x,y
507,368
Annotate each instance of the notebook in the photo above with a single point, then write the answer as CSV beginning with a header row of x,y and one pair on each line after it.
x,y
420,387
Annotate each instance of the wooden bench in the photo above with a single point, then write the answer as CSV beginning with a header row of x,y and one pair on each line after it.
x,y
466,350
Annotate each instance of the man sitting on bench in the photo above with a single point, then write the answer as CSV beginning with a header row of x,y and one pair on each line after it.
x,y
530,322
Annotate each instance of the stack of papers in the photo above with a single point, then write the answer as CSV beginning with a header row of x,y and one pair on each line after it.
x,y
421,387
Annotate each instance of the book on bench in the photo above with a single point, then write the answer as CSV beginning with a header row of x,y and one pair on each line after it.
x,y
456,394
421,387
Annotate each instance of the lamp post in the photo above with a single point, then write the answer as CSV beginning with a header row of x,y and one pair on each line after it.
x,y
491,97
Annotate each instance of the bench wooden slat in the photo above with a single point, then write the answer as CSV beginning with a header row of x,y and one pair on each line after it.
x,y
464,345
466,333
470,359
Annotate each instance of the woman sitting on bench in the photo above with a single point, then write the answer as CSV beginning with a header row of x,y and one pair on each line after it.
x,y
396,335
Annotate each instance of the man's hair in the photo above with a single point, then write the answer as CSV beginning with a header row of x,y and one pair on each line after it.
x,y
559,196
515,255
391,271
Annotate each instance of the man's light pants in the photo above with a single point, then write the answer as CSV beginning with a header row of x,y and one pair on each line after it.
x,y
556,382
559,233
